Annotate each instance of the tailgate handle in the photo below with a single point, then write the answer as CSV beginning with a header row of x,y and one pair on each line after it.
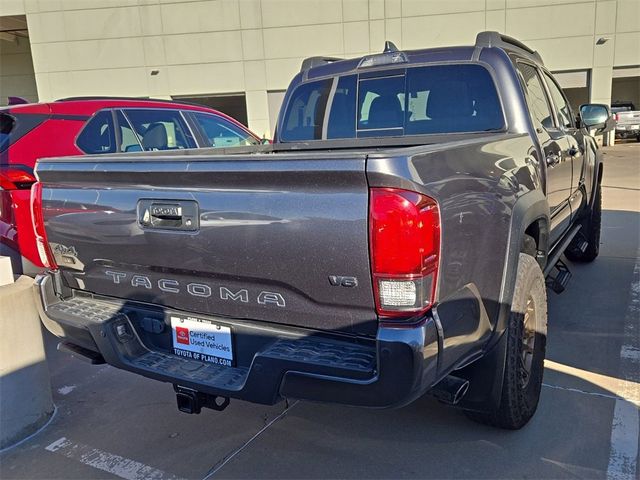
x,y
168,214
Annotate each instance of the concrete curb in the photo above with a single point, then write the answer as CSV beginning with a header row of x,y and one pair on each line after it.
x,y
25,389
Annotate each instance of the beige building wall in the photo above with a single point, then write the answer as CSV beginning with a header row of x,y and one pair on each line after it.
x,y
110,47
16,71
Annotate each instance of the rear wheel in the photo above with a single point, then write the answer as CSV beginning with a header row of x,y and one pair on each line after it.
x,y
526,346
590,233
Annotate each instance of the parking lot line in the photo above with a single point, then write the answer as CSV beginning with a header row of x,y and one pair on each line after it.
x,y
115,464
625,429
228,458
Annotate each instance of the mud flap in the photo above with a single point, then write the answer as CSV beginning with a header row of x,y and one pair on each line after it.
x,y
485,378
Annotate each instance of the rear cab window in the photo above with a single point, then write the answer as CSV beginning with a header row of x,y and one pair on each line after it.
x,y
413,101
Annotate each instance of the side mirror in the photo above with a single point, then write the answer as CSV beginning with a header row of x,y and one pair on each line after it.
x,y
597,116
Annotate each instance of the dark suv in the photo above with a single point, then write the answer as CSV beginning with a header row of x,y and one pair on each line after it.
x,y
79,126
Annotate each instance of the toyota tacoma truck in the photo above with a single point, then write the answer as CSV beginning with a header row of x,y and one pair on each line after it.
x,y
397,238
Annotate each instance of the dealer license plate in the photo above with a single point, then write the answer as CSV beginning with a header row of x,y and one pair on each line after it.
x,y
201,340
634,127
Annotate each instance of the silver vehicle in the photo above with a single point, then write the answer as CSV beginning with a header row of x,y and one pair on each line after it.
x,y
627,120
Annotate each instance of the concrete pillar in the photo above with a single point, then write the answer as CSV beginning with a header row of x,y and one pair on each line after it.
x,y
258,113
25,389
6,271
255,80
604,43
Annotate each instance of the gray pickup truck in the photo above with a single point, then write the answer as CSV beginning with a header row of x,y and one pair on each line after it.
x,y
397,238
627,120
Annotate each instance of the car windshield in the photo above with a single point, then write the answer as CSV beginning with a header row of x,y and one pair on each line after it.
x,y
412,101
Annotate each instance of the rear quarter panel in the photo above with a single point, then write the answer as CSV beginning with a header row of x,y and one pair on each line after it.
x,y
476,183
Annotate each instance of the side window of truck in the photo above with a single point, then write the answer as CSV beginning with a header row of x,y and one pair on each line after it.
x,y
535,96
563,110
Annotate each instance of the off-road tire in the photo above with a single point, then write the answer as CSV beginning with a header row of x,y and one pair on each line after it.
x,y
590,232
518,402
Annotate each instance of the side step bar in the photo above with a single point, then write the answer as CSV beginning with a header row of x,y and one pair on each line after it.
x,y
559,281
559,250
556,272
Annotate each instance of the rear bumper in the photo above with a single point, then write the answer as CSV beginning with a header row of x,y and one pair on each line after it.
x,y
627,132
272,362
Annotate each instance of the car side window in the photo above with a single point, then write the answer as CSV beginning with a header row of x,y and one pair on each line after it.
x,y
97,136
535,96
219,132
563,110
160,129
129,141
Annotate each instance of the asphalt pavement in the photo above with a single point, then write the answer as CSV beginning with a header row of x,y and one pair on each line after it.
x,y
111,423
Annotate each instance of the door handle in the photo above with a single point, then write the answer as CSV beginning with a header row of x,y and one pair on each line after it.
x,y
553,159
167,214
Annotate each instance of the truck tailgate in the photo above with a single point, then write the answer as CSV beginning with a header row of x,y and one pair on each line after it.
x,y
263,237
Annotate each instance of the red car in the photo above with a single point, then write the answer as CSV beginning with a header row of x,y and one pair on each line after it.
x,y
79,126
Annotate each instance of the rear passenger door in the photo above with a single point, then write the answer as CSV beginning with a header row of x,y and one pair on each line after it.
x,y
554,145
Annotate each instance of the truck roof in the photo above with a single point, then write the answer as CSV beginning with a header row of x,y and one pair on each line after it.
x,y
316,67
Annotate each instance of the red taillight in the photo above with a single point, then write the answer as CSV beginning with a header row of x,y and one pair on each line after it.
x,y
14,177
405,249
615,117
46,255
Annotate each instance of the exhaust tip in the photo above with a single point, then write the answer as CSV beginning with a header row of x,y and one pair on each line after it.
x,y
461,392
450,389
